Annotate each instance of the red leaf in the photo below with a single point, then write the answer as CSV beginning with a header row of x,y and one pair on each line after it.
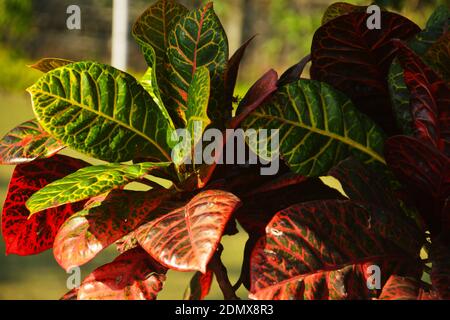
x,y
294,73
258,93
258,210
424,171
186,238
356,60
199,286
88,232
430,100
401,288
362,184
321,250
134,275
26,143
25,236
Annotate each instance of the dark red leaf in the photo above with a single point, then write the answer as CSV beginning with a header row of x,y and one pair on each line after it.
x,y
429,102
199,286
186,238
356,60
440,272
100,224
362,184
25,236
294,73
232,72
424,171
321,250
257,94
134,275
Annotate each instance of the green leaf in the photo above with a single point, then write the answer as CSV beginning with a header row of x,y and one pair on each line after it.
x,y
340,8
48,64
198,40
318,126
151,30
88,182
196,113
436,26
27,142
102,112
150,83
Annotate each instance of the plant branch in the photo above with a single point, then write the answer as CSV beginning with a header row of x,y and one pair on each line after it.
x,y
220,271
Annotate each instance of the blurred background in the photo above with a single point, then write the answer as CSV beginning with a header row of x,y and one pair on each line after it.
x,y
33,29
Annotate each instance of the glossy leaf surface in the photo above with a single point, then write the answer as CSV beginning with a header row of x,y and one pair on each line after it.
x,y
321,250
24,235
100,111
134,275
318,127
186,238
88,182
26,143
99,225
198,40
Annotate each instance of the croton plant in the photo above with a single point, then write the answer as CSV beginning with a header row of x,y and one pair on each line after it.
x,y
374,115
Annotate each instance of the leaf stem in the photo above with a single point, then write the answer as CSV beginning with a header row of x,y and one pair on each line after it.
x,y
220,271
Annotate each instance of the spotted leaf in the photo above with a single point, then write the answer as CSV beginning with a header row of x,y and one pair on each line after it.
x,y
186,238
26,143
24,235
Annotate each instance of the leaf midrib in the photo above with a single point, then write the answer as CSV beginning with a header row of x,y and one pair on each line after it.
x,y
153,142
329,134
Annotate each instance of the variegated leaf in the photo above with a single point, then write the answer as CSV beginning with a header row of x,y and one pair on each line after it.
x,y
27,142
102,112
88,182
186,238
197,40
322,250
88,232
134,275
318,127
24,235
